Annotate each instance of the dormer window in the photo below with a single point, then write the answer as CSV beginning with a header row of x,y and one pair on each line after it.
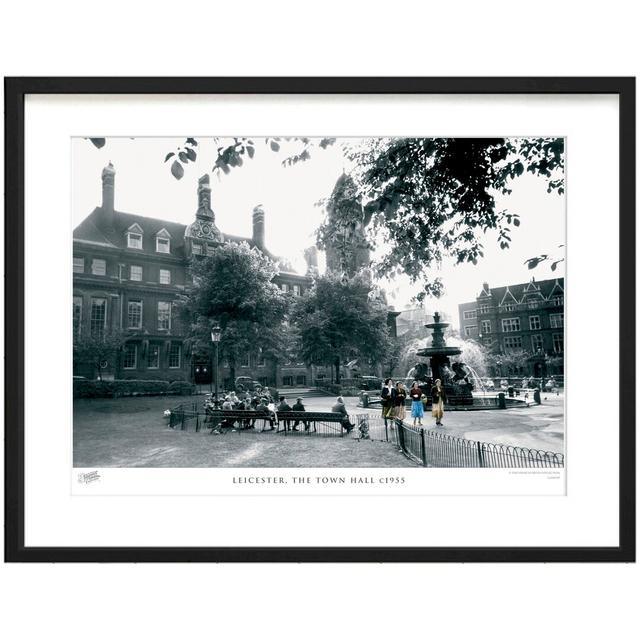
x,y
163,241
134,237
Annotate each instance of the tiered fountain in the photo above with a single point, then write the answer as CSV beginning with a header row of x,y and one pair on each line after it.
x,y
456,379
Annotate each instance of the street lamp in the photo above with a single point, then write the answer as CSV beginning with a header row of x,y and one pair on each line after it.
x,y
216,334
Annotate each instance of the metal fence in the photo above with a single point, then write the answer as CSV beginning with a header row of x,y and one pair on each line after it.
x,y
427,447
434,449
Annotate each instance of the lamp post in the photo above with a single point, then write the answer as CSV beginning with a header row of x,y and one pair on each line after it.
x,y
216,334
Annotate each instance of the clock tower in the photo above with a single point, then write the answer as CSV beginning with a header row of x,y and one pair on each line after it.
x,y
202,235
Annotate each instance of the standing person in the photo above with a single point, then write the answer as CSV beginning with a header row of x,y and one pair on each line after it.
x,y
417,410
398,400
438,398
387,400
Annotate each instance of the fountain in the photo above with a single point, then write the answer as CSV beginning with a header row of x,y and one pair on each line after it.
x,y
462,384
455,378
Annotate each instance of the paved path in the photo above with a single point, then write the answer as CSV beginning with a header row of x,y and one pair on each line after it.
x,y
536,427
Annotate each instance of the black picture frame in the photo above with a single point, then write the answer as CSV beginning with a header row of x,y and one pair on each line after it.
x,y
15,91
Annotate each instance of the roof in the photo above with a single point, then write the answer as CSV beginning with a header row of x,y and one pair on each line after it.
x,y
518,291
95,229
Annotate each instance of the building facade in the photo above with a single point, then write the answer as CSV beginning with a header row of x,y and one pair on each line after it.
x,y
128,272
519,318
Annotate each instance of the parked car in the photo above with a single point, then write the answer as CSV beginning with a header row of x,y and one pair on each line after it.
x,y
245,383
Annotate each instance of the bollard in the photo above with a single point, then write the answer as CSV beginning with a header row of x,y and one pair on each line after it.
x,y
502,404
510,391
536,396
424,447
365,400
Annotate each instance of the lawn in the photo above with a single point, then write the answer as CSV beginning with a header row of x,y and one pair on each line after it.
x,y
131,432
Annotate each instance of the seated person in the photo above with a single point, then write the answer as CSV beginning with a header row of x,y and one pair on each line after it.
x,y
284,406
298,406
263,408
339,407
227,405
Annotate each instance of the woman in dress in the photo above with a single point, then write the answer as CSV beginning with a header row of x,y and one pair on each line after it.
x,y
417,411
438,398
398,400
386,396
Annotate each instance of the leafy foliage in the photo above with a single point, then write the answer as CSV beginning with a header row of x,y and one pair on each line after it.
x,y
183,155
98,350
234,289
337,320
432,198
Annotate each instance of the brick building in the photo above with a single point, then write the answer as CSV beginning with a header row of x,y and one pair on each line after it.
x,y
525,317
128,271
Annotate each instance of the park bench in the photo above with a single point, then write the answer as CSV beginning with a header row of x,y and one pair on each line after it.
x,y
218,419
310,420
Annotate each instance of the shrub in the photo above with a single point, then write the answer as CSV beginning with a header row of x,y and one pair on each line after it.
x,y
181,388
119,388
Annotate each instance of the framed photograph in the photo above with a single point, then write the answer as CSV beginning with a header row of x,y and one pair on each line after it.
x,y
320,319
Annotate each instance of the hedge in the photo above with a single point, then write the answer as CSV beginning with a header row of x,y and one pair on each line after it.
x,y
118,388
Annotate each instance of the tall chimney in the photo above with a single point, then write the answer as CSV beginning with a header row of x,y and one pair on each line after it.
x,y
108,180
311,256
258,226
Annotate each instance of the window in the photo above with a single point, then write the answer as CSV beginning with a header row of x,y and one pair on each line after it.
x,y
165,276
211,250
77,315
557,301
557,320
512,342
245,361
558,342
153,356
287,381
197,249
135,272
164,316
134,241
470,315
534,323
98,318
536,343
508,308
175,353
264,381
487,342
484,308
285,287
301,380
486,326
134,314
78,265
296,289
98,267
470,330
163,245
532,304
261,360
130,360
510,324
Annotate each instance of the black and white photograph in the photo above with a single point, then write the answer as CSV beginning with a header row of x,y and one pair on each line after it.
x,y
307,302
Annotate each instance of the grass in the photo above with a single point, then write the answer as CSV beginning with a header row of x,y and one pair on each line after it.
x,y
131,432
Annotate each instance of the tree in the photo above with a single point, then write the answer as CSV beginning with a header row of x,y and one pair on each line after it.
x,y
234,288
426,198
337,320
96,350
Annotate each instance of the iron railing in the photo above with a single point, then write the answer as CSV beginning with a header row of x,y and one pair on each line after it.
x,y
434,449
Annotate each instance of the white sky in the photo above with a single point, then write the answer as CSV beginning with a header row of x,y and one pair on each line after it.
x,y
145,186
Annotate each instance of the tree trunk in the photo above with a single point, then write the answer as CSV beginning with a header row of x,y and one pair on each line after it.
x,y
232,373
337,365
